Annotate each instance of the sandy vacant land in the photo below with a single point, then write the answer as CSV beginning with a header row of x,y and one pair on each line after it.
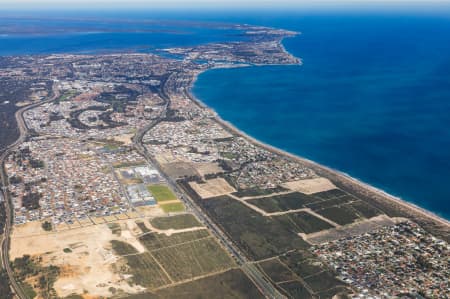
x,y
310,186
125,138
208,168
212,188
88,263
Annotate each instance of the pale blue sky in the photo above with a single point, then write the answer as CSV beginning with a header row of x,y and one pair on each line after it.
x,y
30,4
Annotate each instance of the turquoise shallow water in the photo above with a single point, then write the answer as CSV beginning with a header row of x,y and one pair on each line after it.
x,y
372,100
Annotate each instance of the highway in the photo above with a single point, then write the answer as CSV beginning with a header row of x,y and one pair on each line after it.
x,y
265,286
5,242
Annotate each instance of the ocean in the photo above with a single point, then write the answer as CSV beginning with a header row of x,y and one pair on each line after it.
x,y
371,99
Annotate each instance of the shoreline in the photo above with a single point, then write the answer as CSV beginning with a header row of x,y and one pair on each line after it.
x,y
331,172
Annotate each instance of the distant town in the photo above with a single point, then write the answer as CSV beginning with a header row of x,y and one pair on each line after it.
x,y
121,184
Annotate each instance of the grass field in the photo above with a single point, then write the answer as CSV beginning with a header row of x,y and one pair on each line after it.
x,y
145,270
231,284
154,241
122,248
175,222
193,259
173,207
161,193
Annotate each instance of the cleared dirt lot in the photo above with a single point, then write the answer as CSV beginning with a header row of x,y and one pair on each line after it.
x,y
310,186
212,188
84,255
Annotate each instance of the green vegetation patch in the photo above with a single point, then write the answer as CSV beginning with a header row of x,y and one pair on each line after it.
x,y
175,222
67,250
342,214
145,270
365,209
231,284
27,267
28,290
122,248
193,259
258,236
47,226
277,271
154,241
285,202
161,193
173,207
307,268
304,222
296,289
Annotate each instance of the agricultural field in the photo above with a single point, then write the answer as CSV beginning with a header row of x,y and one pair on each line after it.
x,y
304,222
340,214
258,236
144,269
192,259
365,209
161,193
154,241
175,222
122,248
232,284
285,202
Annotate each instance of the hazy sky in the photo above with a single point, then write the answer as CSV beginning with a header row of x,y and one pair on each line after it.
x,y
31,4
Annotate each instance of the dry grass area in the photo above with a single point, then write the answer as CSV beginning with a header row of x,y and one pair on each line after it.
x,y
310,186
212,188
208,168
126,139
83,254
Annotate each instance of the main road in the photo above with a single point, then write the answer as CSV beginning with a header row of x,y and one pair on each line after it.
x,y
5,242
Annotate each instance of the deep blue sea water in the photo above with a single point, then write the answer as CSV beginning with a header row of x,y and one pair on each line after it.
x,y
372,98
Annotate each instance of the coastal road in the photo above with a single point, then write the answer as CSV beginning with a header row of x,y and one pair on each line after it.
x,y
5,242
265,286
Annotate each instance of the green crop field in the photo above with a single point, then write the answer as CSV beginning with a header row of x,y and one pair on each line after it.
x,y
230,284
145,270
296,290
154,241
285,202
304,222
277,271
122,248
258,236
175,222
173,207
193,259
341,215
142,227
161,193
